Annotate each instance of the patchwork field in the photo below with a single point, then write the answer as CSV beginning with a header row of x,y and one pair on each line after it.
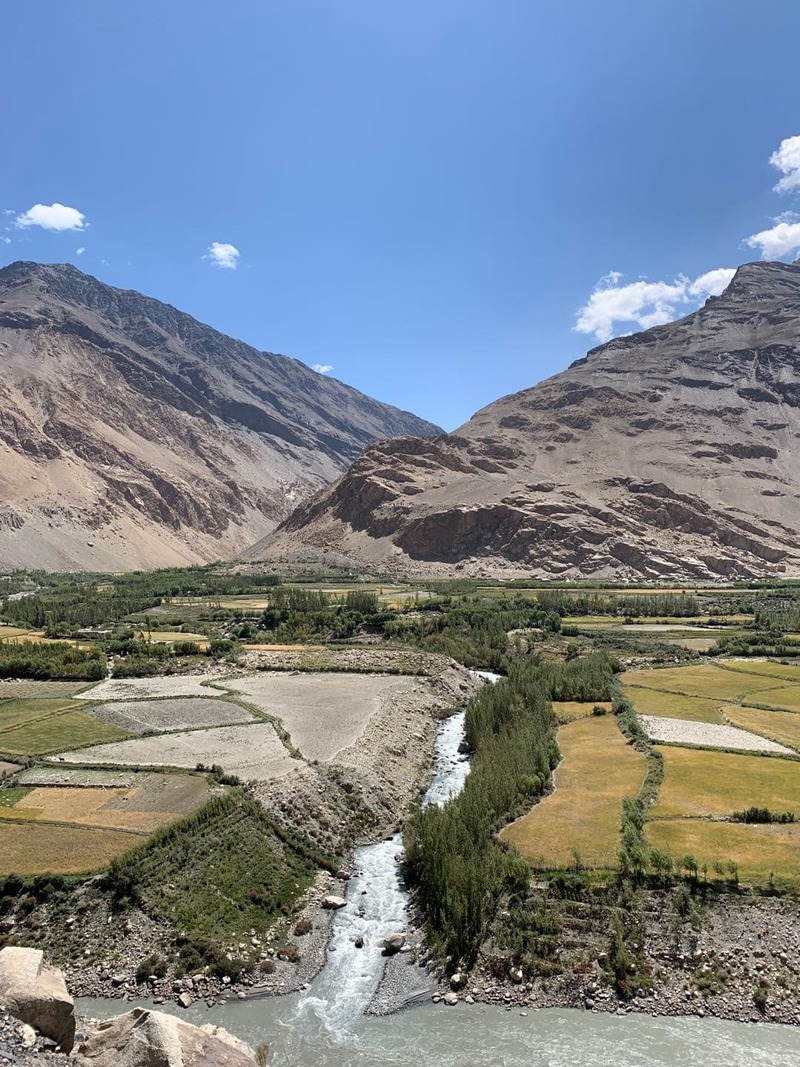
x,y
582,815
569,710
248,751
708,680
780,726
189,685
657,702
323,713
39,725
760,852
176,713
702,783
28,848
708,735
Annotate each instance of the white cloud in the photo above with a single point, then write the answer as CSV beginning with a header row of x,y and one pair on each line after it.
x,y
80,251
786,159
780,240
6,240
643,303
223,255
322,368
54,217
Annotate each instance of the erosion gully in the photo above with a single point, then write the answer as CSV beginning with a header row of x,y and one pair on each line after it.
x,y
326,1025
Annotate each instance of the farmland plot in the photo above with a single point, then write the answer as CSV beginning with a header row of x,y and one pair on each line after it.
x,y
174,685
176,713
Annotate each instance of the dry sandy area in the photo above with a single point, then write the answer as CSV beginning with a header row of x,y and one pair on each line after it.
x,y
248,751
176,713
707,735
175,685
323,713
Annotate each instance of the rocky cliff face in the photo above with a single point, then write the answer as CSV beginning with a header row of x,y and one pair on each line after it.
x,y
133,436
669,453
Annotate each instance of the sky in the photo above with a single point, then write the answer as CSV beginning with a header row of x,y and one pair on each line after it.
x,y
437,202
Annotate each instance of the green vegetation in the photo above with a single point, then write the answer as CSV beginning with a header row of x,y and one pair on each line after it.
x,y
38,659
218,873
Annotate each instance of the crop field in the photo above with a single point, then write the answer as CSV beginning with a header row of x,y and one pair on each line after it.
x,y
248,751
28,848
189,685
171,713
170,636
760,852
33,726
657,702
703,783
582,816
153,800
569,710
780,726
14,690
787,698
708,680
323,713
785,671
76,776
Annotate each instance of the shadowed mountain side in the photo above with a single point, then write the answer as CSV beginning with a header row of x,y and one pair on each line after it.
x,y
674,452
133,436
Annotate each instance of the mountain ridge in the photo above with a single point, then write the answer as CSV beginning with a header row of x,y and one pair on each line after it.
x,y
672,452
132,435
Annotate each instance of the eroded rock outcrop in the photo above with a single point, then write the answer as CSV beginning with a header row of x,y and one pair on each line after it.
x,y
35,993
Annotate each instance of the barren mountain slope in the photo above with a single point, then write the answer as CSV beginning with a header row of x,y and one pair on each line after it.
x,y
672,452
133,436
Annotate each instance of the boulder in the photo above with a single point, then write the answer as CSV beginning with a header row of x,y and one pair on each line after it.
x,y
36,993
451,999
516,975
143,1038
394,943
457,981
333,903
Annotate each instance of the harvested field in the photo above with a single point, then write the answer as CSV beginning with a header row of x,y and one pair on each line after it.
x,y
172,713
707,735
170,636
787,698
768,668
252,752
153,800
760,852
673,706
38,726
780,726
323,713
28,848
15,690
176,685
569,710
76,776
702,784
582,815
715,683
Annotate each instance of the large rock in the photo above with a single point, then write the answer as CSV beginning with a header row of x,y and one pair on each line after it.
x,y
36,993
394,943
333,903
143,1038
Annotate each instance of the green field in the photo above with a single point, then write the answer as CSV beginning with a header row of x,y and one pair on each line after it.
x,y
760,852
37,725
658,702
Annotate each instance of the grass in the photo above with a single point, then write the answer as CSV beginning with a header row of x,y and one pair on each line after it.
x,y
569,710
787,698
582,816
28,848
35,726
708,680
10,795
760,852
780,726
657,702
700,782
770,669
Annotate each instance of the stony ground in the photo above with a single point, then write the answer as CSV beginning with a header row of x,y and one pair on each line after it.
x,y
708,735
174,713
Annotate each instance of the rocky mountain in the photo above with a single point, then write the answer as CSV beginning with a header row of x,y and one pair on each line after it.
x,y
674,452
133,436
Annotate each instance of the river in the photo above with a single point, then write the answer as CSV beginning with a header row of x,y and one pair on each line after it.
x,y
325,1025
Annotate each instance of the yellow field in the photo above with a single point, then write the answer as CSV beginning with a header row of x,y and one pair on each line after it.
x,y
169,636
759,851
657,702
569,710
780,726
771,669
700,782
27,848
708,680
582,815
104,808
788,697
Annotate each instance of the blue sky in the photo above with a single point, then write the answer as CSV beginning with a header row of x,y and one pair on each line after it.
x,y
422,196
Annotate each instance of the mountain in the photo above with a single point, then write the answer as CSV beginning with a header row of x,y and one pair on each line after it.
x,y
674,452
133,436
